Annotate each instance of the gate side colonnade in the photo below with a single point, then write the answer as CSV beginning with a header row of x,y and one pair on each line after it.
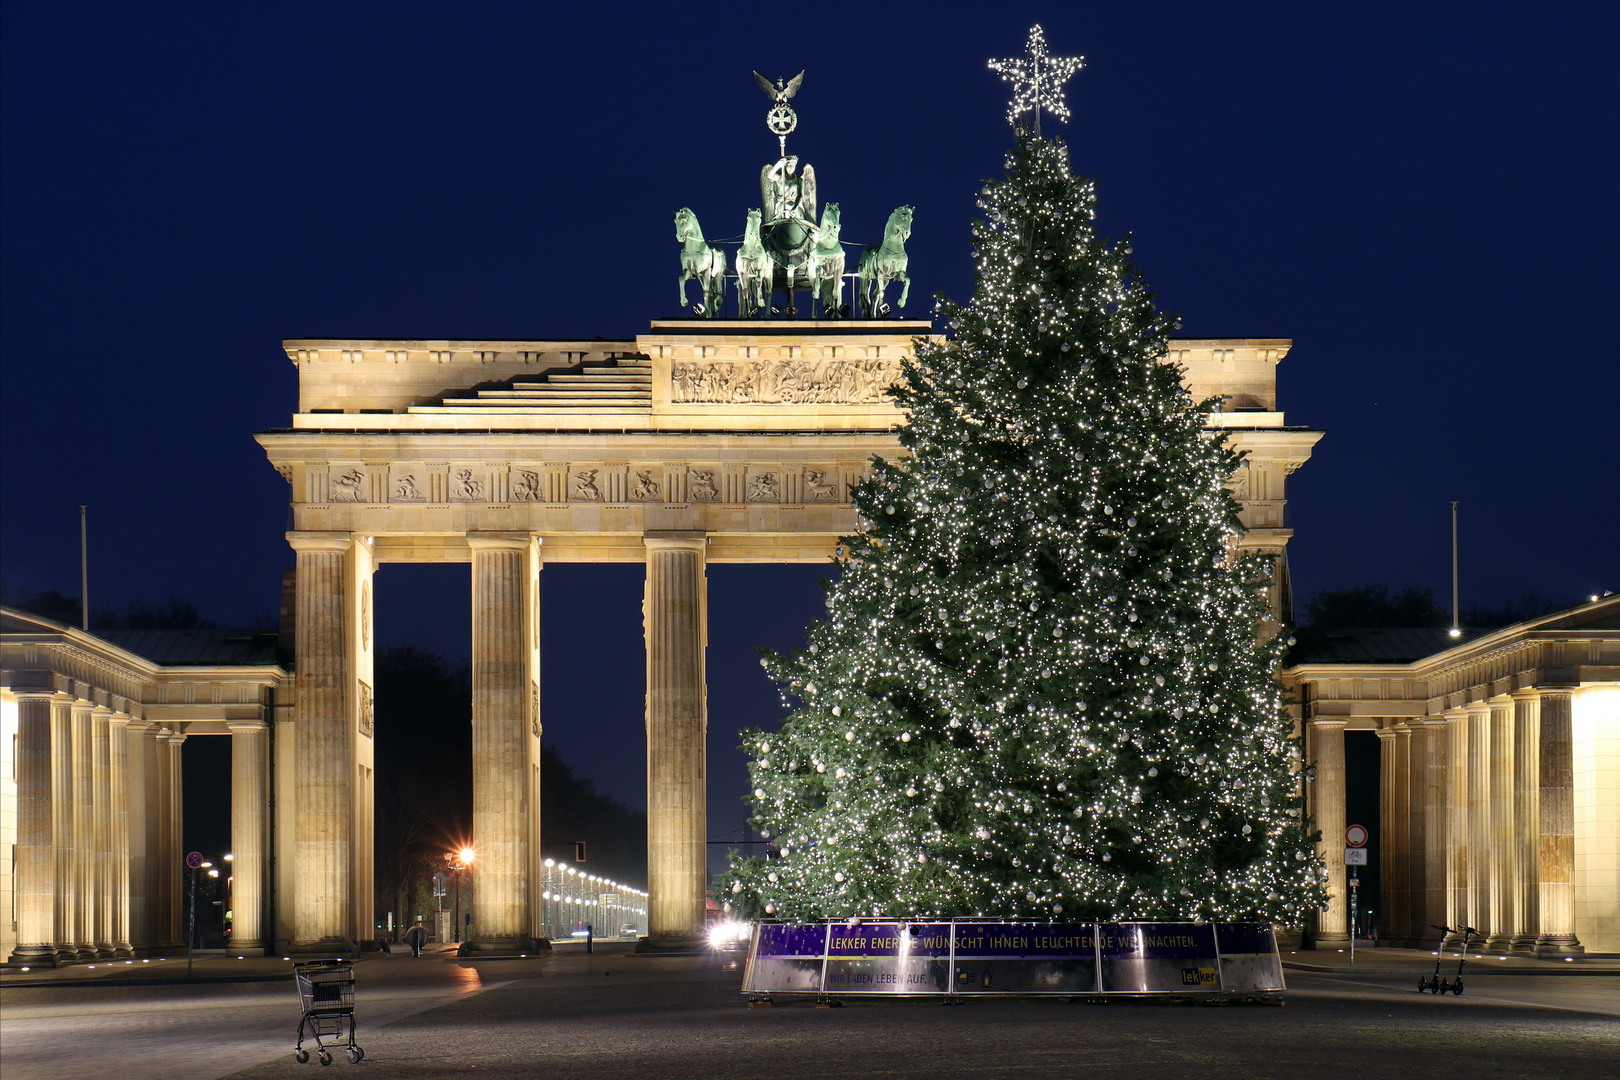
x,y
1499,763
701,441
95,788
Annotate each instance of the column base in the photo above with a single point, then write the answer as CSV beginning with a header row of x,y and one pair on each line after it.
x,y
337,948
1561,945
673,945
1332,940
1499,943
494,948
33,956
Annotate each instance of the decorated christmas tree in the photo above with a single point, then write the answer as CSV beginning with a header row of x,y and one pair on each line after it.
x,y
1044,684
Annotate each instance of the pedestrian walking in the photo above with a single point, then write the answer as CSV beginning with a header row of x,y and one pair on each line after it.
x,y
416,937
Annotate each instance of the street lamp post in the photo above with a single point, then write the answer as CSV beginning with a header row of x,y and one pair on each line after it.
x,y
459,861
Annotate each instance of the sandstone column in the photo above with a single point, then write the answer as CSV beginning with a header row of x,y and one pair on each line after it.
x,y
1480,869
84,831
506,736
34,858
118,847
1504,869
1557,809
1437,826
1417,836
138,929
331,567
676,621
1394,748
162,895
250,801
1459,905
1527,816
64,854
173,867
101,829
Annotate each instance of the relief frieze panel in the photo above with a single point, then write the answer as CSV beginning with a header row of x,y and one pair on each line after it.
x,y
559,484
787,381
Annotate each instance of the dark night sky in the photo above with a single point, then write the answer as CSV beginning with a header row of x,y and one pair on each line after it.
x,y
1422,196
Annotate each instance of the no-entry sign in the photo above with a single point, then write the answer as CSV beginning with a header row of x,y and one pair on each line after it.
x,y
1356,836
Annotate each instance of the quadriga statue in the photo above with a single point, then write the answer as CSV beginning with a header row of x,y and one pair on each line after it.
x,y
883,263
827,263
702,261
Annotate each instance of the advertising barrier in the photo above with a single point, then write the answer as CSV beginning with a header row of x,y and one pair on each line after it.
x,y
977,957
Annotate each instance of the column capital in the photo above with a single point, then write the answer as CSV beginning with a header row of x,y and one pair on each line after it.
x,y
246,727
1328,721
138,724
320,541
120,719
482,540
1527,693
675,538
174,738
1500,701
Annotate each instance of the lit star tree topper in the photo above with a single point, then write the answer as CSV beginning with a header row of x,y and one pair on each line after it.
x,y
1037,79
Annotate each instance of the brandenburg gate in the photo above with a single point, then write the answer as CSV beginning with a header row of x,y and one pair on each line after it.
x,y
701,441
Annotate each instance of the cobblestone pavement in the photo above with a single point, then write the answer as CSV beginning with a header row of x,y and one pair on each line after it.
x,y
611,1015
113,1024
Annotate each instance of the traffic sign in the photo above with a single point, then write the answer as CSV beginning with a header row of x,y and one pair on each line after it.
x,y
1356,836
1355,856
194,859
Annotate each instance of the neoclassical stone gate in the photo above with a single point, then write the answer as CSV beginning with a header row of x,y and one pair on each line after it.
x,y
700,441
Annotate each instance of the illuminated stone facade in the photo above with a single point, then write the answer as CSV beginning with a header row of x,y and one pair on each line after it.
x,y
90,806
1499,780
700,441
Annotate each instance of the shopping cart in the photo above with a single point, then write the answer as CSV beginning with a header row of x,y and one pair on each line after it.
x,y
326,994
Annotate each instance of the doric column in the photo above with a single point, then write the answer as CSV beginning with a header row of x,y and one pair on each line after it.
x,y
1459,903
250,831
120,871
101,829
35,859
160,888
1527,816
173,861
1557,855
332,912
676,623
137,740
84,831
1502,917
1437,824
1417,841
1394,747
64,853
506,739
1480,869
1327,752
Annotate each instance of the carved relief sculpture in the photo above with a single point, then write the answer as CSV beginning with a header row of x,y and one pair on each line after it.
x,y
405,489
700,485
467,487
819,489
368,721
365,614
527,489
647,489
585,489
347,487
764,488
787,382
534,708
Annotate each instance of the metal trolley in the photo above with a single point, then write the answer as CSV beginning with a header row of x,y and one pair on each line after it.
x,y
326,994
